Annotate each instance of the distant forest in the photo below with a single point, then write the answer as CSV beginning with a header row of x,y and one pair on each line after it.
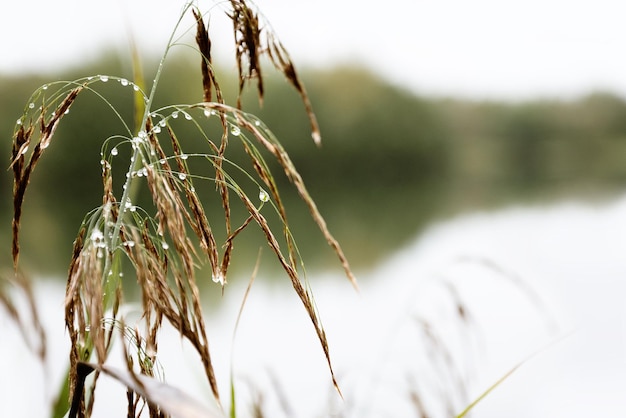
x,y
390,163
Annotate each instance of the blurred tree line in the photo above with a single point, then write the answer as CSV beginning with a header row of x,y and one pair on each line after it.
x,y
390,163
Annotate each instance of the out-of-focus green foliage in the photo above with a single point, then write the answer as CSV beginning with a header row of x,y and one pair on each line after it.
x,y
389,163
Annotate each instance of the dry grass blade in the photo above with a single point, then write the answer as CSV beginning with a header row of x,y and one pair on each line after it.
x,y
204,45
248,45
281,60
23,171
180,305
291,271
283,159
29,325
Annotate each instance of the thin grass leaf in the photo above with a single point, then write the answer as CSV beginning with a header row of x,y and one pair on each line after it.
x,y
233,403
507,375
170,399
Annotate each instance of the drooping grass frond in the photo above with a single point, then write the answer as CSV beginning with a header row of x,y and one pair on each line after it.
x,y
163,238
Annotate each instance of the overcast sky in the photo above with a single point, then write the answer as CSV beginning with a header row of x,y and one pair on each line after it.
x,y
478,48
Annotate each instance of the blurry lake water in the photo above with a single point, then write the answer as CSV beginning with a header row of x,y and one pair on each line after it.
x,y
544,282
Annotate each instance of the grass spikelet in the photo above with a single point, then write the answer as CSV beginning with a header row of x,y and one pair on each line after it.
x,y
248,45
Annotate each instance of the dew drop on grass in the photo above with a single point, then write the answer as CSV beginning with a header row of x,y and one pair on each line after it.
x,y
263,196
207,113
162,123
183,156
19,121
129,244
257,123
174,115
104,78
235,130
156,129
162,161
219,278
124,82
135,87
165,245
31,105
25,150
114,151
182,176
44,87
96,235
187,116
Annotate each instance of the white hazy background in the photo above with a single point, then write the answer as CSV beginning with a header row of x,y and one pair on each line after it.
x,y
510,49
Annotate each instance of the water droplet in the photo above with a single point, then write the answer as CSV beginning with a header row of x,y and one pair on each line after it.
x,y
96,235
207,113
44,87
162,123
144,172
24,150
192,189
257,123
129,244
235,130
124,82
263,196
183,156
182,176
165,245
66,111
135,87
133,208
139,173
44,145
104,78
219,278
31,105
174,115
99,254
162,161
157,129
187,116
19,121
128,204
114,151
